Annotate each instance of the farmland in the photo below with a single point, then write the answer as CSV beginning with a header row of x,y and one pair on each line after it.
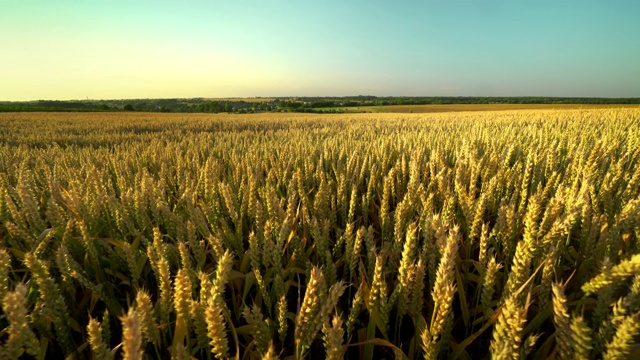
x,y
465,235
488,107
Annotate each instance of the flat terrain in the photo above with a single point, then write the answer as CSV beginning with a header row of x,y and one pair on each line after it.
x,y
483,107
365,236
256,99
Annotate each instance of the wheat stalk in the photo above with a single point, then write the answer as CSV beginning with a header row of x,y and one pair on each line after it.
x,y
21,337
562,320
310,311
333,338
98,347
131,336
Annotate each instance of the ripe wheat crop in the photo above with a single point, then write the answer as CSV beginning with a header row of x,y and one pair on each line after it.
x,y
502,235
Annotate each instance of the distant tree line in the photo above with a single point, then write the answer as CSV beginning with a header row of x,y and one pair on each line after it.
x,y
351,101
285,104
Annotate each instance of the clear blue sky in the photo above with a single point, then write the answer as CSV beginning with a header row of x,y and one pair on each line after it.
x,y
143,49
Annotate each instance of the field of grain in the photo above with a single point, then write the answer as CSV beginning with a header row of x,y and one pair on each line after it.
x,y
486,107
504,235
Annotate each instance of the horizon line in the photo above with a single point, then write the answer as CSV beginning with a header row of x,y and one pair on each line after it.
x,y
327,96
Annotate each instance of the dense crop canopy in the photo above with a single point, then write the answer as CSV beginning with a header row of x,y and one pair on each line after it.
x,y
460,235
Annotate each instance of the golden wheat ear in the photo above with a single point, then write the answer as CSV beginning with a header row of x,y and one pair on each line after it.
x,y
98,347
21,337
131,336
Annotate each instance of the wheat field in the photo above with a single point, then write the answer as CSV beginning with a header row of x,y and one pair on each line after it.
x,y
471,235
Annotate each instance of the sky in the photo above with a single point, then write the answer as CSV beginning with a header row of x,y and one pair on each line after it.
x,y
116,49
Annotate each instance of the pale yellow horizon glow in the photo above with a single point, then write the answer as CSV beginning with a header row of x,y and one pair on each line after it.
x,y
120,71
